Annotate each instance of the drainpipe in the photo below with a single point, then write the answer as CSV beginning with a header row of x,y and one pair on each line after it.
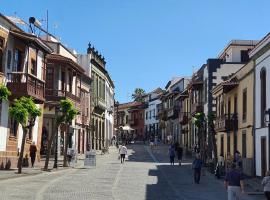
x,y
254,117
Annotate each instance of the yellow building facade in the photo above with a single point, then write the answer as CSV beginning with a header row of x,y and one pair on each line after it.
x,y
234,117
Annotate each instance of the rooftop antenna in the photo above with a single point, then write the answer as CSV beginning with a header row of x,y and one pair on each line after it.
x,y
55,26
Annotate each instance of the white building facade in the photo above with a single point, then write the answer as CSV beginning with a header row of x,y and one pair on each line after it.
x,y
151,122
261,57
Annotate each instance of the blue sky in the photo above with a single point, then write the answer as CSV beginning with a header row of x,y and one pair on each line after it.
x,y
147,42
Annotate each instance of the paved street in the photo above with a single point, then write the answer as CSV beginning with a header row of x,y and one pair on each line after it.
x,y
145,175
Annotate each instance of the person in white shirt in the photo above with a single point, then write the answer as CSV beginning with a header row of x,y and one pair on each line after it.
x,y
123,153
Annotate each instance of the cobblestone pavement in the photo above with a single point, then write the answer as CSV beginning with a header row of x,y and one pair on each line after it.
x,y
146,175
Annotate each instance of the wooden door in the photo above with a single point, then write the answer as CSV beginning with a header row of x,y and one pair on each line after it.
x,y
263,156
49,79
79,141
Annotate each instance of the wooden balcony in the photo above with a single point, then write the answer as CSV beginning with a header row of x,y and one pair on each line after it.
x,y
196,108
57,95
172,112
226,123
183,118
23,84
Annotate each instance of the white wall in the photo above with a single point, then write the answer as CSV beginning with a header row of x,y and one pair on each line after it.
x,y
262,61
151,107
3,126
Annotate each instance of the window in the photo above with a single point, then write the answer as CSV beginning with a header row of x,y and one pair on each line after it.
x,y
70,82
13,127
126,119
33,67
244,144
229,107
8,59
235,104
222,145
63,80
146,115
228,144
263,95
17,61
1,61
244,117
205,90
244,56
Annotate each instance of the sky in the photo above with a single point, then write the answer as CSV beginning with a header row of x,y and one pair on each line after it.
x,y
147,42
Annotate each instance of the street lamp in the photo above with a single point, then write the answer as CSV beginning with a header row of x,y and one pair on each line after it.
x,y
267,119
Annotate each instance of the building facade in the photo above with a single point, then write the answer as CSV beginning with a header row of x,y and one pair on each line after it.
x,y
63,82
260,55
234,117
151,121
22,65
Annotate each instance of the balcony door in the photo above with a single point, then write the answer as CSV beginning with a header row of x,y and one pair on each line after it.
x,y
49,80
18,61
263,156
1,54
1,61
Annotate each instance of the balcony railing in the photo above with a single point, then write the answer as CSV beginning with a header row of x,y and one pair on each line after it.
x,y
57,95
226,123
24,84
196,108
183,117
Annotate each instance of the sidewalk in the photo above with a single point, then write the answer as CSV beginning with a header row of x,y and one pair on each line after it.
x,y
252,185
29,171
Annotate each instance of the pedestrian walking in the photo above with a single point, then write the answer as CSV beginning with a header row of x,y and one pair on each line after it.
x,y
123,153
238,159
171,154
234,183
197,167
33,152
179,151
266,185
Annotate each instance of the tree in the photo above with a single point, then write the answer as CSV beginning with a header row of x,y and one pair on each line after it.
x,y
4,92
66,114
137,95
25,112
199,121
212,133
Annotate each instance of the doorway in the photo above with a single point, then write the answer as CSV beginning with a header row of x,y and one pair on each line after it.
x,y
263,156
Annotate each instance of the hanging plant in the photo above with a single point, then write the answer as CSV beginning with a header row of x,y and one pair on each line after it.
x,y
4,92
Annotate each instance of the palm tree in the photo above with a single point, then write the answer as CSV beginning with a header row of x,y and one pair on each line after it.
x,y
25,112
137,95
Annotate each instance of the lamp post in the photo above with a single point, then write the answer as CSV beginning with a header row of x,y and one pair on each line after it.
x,y
267,113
